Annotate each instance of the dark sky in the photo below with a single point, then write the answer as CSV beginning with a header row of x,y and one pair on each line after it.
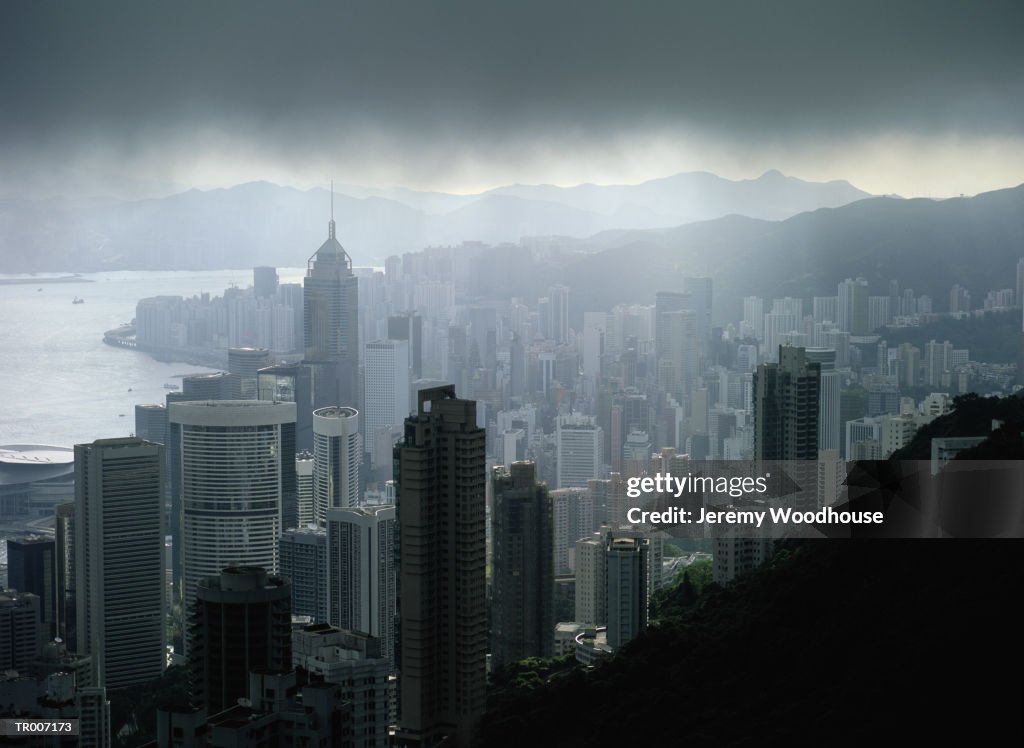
x,y
914,97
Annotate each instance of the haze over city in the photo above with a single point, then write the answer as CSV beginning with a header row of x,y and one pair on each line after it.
x,y
446,374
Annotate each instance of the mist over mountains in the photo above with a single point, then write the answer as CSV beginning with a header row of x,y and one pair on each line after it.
x,y
263,223
925,245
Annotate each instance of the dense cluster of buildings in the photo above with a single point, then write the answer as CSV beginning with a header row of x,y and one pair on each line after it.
x,y
402,481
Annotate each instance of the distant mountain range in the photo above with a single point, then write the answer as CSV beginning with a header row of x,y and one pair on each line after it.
x,y
926,245
263,223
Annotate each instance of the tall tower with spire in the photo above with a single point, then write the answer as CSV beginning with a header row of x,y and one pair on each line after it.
x,y
331,307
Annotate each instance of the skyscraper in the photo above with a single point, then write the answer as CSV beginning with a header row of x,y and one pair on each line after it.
x,y
441,485
409,326
578,442
559,310
853,307
786,409
699,290
337,452
31,567
331,328
64,537
386,396
522,579
233,482
241,623
119,565
828,401
361,578
626,588
303,562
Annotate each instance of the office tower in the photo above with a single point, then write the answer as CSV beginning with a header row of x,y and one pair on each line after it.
x,y
331,326
337,452
441,487
241,624
233,486
264,282
828,401
353,659
559,310
591,601
304,502
21,634
303,562
290,383
409,327
786,407
578,441
626,588
853,307
386,395
699,290
31,567
360,575
522,579
243,366
64,548
151,423
119,559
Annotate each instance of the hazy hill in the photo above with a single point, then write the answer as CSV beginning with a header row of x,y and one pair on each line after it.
x,y
262,223
926,245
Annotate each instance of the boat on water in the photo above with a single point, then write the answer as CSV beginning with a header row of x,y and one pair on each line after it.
x,y
172,387
78,301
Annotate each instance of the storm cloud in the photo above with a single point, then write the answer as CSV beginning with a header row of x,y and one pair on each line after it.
x,y
471,93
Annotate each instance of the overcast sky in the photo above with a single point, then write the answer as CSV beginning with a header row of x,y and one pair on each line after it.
x,y
918,98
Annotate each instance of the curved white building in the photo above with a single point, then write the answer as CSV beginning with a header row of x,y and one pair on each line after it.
x,y
233,476
337,451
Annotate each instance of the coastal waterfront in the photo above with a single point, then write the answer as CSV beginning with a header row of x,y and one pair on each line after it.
x,y
63,385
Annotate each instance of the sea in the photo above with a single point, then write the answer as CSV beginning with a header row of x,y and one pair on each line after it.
x,y
62,384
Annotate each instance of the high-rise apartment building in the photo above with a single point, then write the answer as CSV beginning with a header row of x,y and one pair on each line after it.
x,y
233,482
303,562
360,577
786,411
441,486
853,307
522,579
119,560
